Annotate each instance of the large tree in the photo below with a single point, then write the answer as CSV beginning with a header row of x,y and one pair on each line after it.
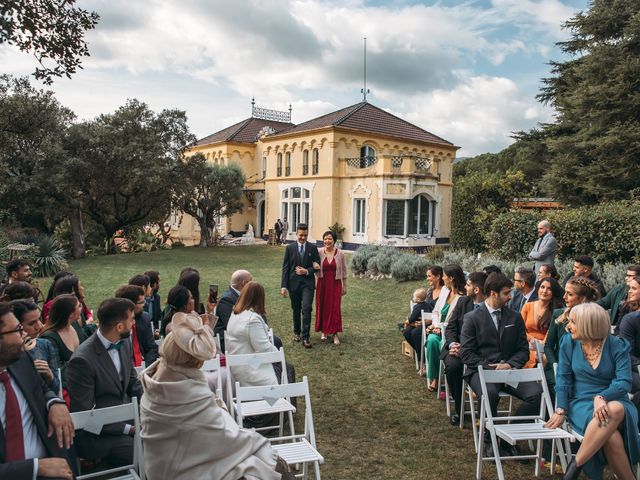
x,y
125,163
595,141
52,30
32,158
208,191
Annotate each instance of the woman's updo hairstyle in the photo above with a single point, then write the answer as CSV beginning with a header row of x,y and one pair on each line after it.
x,y
586,288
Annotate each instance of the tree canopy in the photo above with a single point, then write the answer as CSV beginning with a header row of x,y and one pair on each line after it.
x,y
52,30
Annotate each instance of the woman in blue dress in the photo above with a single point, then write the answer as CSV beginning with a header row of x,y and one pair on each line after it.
x,y
592,383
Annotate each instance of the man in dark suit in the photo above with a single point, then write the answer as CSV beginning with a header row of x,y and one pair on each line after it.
x,y
450,354
144,346
495,337
224,309
298,281
35,428
101,374
583,267
524,281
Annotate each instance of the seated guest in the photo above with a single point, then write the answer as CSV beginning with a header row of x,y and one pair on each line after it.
x,y
62,329
179,299
489,269
18,270
27,409
577,290
494,336
524,281
227,301
453,289
101,374
213,445
144,346
412,330
435,282
616,300
537,314
247,332
190,278
142,281
450,354
592,383
154,305
630,331
57,277
70,284
547,270
42,352
583,267
18,290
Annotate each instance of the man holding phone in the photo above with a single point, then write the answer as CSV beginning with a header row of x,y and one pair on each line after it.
x,y
298,281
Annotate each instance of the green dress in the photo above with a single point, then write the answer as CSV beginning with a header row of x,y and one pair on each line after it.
x,y
432,348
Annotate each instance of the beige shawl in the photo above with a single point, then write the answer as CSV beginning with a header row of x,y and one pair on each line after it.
x,y
187,436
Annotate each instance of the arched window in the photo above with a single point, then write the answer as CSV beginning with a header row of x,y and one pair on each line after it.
x,y
410,217
296,206
279,172
316,161
419,216
264,167
305,162
367,156
287,164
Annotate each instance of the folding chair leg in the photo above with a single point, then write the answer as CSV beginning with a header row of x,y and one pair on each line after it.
x,y
447,397
479,455
316,467
496,455
538,458
474,426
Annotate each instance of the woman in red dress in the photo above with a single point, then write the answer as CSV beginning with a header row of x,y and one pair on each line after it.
x,y
331,286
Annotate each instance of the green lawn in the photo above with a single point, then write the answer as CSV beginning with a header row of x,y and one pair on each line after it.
x,y
374,418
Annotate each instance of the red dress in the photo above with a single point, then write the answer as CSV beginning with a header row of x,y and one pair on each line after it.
x,y
328,300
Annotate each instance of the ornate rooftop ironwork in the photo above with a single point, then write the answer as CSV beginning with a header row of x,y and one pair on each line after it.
x,y
362,162
269,114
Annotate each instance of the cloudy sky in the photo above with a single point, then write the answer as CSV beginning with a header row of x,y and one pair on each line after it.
x,y
465,70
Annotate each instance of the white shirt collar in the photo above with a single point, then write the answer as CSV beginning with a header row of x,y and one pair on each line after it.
x,y
105,341
235,290
490,308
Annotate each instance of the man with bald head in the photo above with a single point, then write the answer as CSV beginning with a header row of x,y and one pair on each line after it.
x,y
544,250
239,279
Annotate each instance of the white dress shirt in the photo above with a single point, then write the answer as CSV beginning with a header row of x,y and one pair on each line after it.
x,y
33,446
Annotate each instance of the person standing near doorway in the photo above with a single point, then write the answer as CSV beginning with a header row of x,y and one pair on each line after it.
x,y
298,281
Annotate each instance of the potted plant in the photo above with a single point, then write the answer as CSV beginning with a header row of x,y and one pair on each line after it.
x,y
338,229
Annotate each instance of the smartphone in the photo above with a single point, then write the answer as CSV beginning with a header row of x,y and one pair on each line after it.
x,y
213,293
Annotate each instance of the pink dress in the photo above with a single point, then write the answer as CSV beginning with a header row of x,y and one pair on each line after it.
x,y
329,300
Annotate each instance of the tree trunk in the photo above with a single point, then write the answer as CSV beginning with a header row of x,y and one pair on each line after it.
x,y
77,234
205,236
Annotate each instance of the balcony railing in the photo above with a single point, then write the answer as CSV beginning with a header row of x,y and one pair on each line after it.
x,y
287,171
305,170
279,172
362,162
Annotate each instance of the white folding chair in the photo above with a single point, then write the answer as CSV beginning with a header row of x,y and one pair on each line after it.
x,y
442,326
282,406
140,368
213,365
420,358
529,427
99,417
471,400
295,448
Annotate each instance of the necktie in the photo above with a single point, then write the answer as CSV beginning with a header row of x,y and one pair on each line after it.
x,y
115,346
476,306
498,315
538,243
13,435
137,354
301,251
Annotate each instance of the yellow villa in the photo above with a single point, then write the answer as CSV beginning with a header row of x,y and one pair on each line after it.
x,y
384,179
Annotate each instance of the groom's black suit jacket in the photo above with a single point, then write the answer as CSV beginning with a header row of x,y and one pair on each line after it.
x,y
292,259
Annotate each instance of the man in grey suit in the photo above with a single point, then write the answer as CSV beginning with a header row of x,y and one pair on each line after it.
x,y
544,250
101,374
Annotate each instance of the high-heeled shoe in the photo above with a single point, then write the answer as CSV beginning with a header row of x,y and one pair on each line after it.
x,y
573,471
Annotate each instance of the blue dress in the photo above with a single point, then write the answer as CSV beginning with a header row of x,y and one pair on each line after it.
x,y
577,383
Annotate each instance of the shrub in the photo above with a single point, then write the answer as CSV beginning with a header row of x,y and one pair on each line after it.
x,y
409,267
512,234
47,257
142,241
177,244
360,258
385,258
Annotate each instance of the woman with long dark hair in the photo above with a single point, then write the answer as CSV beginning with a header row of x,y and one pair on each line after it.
x,y
59,329
179,299
537,314
70,284
52,287
453,278
190,278
435,281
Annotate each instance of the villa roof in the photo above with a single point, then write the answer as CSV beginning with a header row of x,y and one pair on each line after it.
x,y
365,117
245,131
361,117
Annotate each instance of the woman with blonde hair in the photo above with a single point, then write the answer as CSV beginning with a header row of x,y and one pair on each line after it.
x,y
187,432
592,384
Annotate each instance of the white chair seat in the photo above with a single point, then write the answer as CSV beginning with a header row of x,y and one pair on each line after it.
x,y
515,432
262,407
298,452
